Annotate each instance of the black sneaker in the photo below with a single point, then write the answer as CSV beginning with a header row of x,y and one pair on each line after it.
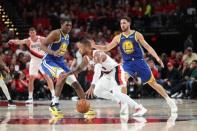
x,y
55,110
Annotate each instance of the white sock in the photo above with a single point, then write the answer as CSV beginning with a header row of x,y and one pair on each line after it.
x,y
30,95
168,99
5,89
52,93
55,100
125,99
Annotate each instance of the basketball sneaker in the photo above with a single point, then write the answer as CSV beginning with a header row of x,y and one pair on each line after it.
x,y
55,110
139,110
172,105
11,103
29,101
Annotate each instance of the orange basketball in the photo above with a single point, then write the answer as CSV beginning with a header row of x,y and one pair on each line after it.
x,y
83,106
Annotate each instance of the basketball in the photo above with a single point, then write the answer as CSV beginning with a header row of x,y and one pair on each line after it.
x,y
83,106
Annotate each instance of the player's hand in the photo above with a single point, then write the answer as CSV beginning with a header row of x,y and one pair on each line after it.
x,y
90,92
161,63
11,41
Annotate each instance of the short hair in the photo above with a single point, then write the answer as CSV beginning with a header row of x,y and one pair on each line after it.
x,y
65,20
32,29
126,18
85,41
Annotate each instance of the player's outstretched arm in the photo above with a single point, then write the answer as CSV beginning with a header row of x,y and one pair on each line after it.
x,y
108,46
51,38
143,42
18,42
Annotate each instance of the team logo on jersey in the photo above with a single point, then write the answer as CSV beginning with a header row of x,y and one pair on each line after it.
x,y
128,47
63,48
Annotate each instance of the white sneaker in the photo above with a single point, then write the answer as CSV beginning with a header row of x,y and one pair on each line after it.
x,y
171,120
124,108
140,119
29,101
172,106
174,95
139,110
180,95
75,98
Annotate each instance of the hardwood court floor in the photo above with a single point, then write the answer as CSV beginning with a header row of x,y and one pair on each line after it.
x,y
37,117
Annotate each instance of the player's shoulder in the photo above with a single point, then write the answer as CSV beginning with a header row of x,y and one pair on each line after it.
x,y
138,35
117,37
55,32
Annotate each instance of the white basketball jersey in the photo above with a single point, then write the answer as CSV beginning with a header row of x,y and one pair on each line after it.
x,y
34,48
107,65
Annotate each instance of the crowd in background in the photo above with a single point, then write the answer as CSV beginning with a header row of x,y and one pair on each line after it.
x,y
94,19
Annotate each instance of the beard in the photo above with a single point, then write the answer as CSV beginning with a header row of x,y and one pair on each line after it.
x,y
125,29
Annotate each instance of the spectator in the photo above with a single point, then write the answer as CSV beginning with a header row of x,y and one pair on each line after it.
x,y
173,77
189,55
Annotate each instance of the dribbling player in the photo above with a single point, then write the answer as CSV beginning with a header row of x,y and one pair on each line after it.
x,y
108,79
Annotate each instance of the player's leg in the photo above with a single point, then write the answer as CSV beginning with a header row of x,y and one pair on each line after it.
x,y
57,69
30,89
33,71
6,92
72,81
163,93
50,68
120,82
147,77
127,101
49,84
103,90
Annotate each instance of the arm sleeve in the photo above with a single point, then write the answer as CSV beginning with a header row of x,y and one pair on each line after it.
x,y
97,73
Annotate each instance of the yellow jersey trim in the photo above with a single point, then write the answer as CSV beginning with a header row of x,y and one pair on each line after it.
x,y
131,33
152,79
65,36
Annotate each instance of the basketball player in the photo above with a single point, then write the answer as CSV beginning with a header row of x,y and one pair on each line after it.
x,y
33,43
55,45
108,76
130,43
2,83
